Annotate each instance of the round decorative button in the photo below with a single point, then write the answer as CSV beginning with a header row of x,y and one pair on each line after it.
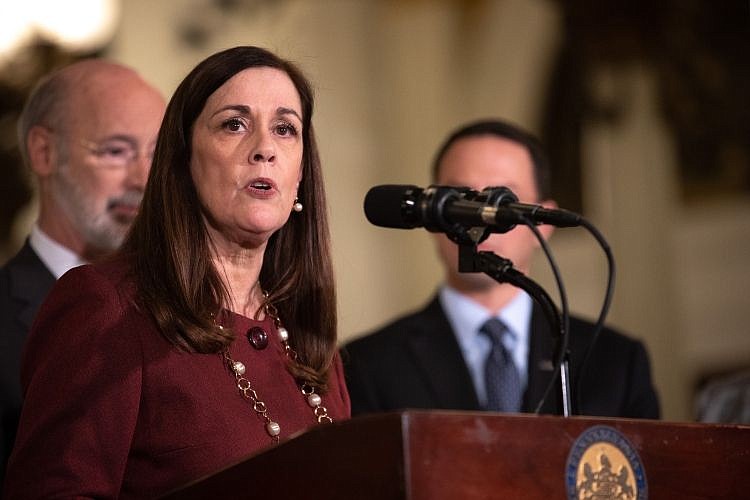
x,y
258,337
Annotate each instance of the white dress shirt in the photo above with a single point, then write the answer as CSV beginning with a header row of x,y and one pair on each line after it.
x,y
58,259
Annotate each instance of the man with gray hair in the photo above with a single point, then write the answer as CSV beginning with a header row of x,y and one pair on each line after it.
x,y
87,134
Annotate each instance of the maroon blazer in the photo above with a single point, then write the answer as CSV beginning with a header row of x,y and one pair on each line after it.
x,y
113,410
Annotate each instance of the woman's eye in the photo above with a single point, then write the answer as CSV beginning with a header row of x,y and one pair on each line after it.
x,y
286,129
233,124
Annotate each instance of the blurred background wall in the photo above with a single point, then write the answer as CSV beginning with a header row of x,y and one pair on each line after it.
x,y
644,108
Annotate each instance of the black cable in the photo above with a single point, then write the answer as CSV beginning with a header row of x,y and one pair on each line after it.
x,y
605,305
562,346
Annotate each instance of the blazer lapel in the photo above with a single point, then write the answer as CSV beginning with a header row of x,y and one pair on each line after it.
x,y
30,281
437,354
541,369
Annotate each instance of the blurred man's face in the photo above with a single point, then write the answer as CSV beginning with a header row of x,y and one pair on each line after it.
x,y
106,149
478,162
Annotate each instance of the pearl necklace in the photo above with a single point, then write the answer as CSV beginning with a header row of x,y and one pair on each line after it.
x,y
273,429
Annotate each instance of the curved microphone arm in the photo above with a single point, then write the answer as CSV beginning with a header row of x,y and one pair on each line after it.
x,y
502,271
562,354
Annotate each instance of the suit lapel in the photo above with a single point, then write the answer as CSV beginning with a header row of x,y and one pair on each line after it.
x,y
30,281
438,356
540,369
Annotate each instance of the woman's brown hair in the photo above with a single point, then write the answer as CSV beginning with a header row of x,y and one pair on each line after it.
x,y
170,248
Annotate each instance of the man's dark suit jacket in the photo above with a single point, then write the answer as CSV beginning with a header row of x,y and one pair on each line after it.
x,y
416,362
24,283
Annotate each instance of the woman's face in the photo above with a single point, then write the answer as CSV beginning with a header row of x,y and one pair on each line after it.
x,y
247,155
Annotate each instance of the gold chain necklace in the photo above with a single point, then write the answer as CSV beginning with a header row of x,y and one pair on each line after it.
x,y
248,392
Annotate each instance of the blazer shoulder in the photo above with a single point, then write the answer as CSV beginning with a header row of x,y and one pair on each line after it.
x,y
113,276
582,330
26,256
397,331
26,270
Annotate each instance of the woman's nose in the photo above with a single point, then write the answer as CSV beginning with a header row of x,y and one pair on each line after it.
x,y
264,156
263,150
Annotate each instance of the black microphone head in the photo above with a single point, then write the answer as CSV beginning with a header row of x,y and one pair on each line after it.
x,y
393,205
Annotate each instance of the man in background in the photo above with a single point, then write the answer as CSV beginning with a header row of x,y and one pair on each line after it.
x,y
482,345
87,134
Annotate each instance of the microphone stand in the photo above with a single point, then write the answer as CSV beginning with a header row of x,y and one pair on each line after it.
x,y
502,271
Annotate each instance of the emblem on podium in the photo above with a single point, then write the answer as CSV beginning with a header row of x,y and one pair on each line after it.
x,y
604,465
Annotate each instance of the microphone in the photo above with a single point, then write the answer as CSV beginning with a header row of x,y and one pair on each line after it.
x,y
447,209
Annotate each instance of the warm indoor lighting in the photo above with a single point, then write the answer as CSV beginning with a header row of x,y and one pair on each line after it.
x,y
75,25
15,28
78,25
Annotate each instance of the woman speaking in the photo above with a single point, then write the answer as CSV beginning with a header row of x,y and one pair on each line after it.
x,y
212,333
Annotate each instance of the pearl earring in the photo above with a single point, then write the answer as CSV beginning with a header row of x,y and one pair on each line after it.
x,y
297,207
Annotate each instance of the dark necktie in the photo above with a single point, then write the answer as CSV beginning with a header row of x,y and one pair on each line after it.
x,y
500,373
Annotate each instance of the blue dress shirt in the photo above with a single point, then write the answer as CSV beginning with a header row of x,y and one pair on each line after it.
x,y
466,317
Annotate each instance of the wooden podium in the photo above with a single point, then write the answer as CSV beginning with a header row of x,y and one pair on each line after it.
x,y
431,455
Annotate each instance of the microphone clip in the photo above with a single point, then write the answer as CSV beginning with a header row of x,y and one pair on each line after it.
x,y
491,198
